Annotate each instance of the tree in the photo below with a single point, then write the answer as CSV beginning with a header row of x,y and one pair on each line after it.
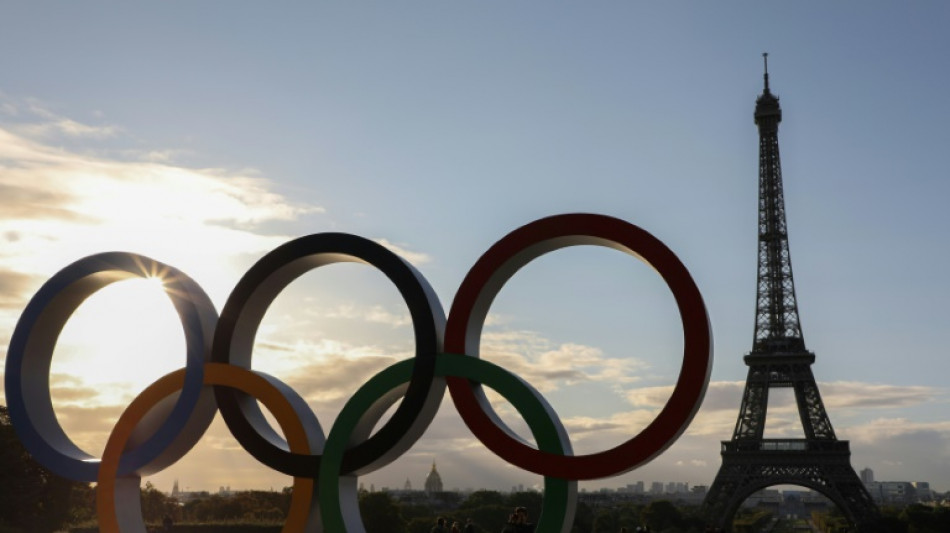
x,y
606,521
156,505
381,514
484,498
660,515
35,499
583,518
488,508
528,499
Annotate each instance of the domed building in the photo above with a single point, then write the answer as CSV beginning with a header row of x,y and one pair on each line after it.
x,y
433,481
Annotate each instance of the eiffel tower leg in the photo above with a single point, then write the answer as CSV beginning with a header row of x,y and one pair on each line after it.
x,y
716,507
826,468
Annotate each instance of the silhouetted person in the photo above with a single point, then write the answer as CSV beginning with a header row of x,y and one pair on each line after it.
x,y
439,526
522,525
469,526
512,525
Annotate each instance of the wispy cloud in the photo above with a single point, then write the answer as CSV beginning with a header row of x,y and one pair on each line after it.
x,y
851,394
550,366
35,119
14,288
70,128
376,314
416,258
835,395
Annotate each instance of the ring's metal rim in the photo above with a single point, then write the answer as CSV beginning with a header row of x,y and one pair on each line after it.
x,y
489,274
237,326
118,502
338,493
174,427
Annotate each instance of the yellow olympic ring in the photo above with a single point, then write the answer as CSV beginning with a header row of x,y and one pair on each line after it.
x,y
112,490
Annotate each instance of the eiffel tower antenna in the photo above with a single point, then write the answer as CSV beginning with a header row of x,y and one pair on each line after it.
x,y
779,359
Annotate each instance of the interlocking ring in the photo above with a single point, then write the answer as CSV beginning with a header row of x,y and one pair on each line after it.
x,y
171,414
31,350
118,504
371,401
517,249
234,340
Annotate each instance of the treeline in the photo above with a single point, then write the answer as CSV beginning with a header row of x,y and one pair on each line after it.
x,y
37,501
381,513
264,512
488,510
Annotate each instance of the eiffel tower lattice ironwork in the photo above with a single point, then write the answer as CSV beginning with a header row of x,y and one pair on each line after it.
x,y
779,359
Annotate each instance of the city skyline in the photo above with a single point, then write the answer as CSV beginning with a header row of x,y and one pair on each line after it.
x,y
205,136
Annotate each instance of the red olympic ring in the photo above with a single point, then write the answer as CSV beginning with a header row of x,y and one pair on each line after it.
x,y
499,263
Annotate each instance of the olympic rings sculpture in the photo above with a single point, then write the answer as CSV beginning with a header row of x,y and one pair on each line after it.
x,y
169,417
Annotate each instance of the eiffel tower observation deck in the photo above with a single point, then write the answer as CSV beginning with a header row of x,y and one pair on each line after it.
x,y
779,359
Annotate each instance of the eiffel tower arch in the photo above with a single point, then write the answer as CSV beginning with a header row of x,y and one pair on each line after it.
x,y
779,359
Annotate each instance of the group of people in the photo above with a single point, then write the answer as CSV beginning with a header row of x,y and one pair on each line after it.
x,y
454,528
517,523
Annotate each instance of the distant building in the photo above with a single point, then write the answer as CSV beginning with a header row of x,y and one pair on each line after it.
x,y
764,498
867,476
633,488
895,492
924,493
433,481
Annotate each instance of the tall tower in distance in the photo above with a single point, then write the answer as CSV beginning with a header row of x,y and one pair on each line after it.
x,y
779,359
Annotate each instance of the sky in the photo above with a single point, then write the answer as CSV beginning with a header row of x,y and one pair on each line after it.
x,y
205,135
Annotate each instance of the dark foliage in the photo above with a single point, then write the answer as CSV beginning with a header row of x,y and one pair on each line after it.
x,y
34,499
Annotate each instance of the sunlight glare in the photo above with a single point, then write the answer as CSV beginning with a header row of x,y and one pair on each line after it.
x,y
121,339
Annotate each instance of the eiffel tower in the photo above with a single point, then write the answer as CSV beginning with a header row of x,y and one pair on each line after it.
x,y
779,359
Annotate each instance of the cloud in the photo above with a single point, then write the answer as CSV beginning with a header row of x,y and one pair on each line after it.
x,y
549,366
835,395
67,390
890,428
58,205
376,314
416,258
59,126
15,287
36,120
692,463
850,394
31,203
325,372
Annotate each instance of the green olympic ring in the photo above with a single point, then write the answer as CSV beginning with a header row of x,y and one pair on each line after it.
x,y
364,408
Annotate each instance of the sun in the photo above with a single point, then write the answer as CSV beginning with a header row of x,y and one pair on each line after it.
x,y
121,339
